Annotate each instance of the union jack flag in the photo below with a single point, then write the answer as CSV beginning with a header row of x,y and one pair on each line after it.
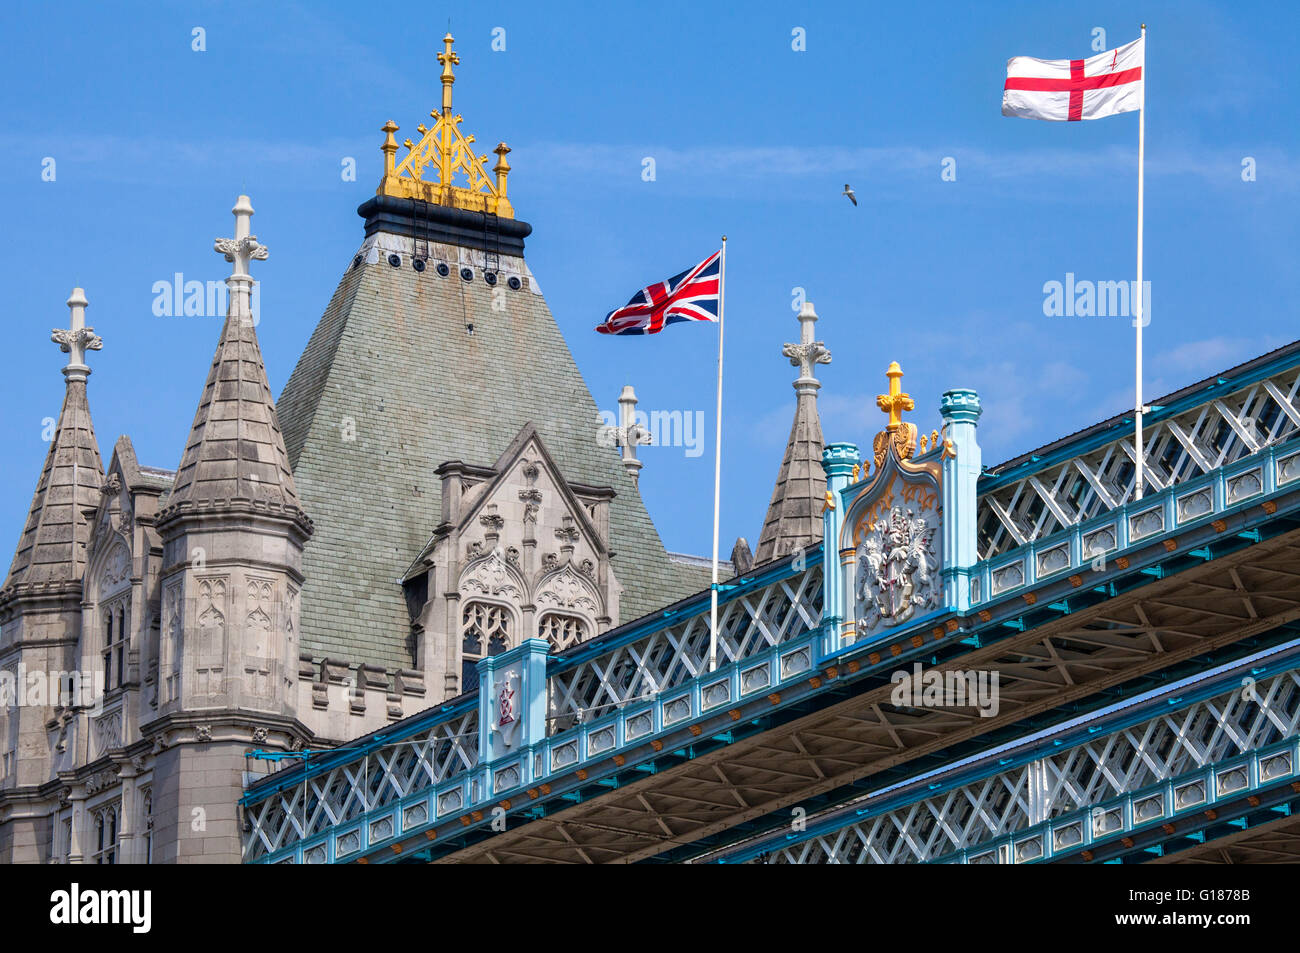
x,y
690,296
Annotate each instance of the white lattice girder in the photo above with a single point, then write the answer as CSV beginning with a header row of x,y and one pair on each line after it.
x,y
355,787
671,656
1197,441
662,659
1164,746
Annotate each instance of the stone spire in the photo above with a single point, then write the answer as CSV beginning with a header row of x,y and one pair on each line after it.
x,y
794,515
235,451
53,545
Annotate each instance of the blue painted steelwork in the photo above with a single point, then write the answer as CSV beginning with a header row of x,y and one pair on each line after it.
x,y
1184,805
961,473
686,702
1195,432
281,835
1184,519
973,773
1121,427
1092,544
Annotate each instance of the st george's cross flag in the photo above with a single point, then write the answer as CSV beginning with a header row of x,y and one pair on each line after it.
x,y
690,296
1069,90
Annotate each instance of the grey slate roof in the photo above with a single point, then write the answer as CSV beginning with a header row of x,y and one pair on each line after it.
x,y
794,517
392,366
235,449
52,548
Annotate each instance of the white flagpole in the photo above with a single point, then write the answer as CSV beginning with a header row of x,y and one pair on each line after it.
x,y
1140,295
717,466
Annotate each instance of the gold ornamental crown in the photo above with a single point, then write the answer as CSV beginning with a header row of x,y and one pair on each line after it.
x,y
449,152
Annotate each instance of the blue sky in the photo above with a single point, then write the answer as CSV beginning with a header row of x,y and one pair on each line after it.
x,y
152,141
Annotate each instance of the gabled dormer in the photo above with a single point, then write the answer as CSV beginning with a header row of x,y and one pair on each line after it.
x,y
520,552
120,622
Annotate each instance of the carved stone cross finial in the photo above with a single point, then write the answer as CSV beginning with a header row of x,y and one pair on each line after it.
x,y
567,534
807,353
240,250
895,402
630,433
244,246
77,339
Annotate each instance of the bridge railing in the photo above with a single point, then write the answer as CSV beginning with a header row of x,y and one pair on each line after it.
x,y
1200,431
360,777
634,681
1194,504
759,617
1155,757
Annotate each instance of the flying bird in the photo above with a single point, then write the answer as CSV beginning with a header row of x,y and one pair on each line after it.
x,y
849,192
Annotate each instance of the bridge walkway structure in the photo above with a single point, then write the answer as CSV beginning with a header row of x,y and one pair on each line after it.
x,y
1092,606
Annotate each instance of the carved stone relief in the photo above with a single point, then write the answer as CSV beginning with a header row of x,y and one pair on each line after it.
x,y
491,575
897,570
211,655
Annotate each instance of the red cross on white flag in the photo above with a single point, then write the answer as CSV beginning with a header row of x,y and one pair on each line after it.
x,y
1070,90
1067,91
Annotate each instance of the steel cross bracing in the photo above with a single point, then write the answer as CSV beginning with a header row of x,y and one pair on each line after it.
x,y
1198,507
1246,791
602,693
1050,657
1227,587
677,653
351,789
1198,723
1192,436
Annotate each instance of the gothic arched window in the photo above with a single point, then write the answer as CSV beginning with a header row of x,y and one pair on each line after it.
x,y
562,630
146,809
114,648
113,596
105,835
485,630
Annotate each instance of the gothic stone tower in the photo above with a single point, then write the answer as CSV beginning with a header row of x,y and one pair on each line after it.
x,y
794,517
40,602
232,531
464,494
446,444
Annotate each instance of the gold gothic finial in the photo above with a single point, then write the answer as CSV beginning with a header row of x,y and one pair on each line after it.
x,y
444,147
448,59
895,402
901,436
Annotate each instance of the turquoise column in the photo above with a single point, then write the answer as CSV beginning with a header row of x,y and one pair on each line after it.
x,y
522,671
961,410
838,460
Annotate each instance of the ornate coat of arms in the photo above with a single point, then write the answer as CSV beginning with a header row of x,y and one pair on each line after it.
x,y
891,535
897,569
506,700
